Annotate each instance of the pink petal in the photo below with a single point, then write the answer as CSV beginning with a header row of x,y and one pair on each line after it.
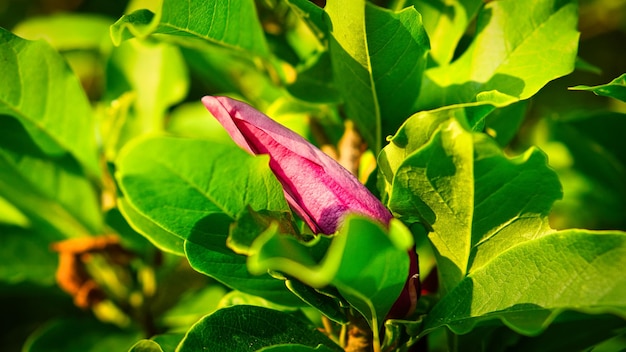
x,y
319,189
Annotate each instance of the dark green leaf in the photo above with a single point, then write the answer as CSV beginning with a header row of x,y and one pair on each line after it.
x,y
79,335
194,189
250,328
26,256
361,246
312,14
295,348
314,81
378,57
503,123
146,346
193,306
589,155
157,235
168,342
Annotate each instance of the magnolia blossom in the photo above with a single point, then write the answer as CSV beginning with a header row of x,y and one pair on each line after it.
x,y
319,189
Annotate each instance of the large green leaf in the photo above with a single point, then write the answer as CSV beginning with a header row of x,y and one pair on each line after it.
x,y
193,190
361,246
250,328
42,93
487,214
476,201
378,57
79,335
511,54
52,191
232,24
614,89
529,285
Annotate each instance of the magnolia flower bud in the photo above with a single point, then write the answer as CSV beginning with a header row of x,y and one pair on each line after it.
x,y
318,189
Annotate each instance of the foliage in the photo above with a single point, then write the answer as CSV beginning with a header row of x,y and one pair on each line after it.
x,y
131,221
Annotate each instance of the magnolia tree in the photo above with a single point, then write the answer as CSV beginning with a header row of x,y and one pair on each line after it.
x,y
287,175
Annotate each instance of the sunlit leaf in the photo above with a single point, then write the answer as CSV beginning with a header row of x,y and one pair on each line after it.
x,y
528,286
232,24
52,192
614,89
41,92
510,54
446,22
476,201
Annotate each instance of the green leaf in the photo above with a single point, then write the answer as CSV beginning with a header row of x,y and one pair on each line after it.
x,y
143,81
503,123
146,346
295,348
250,328
314,81
86,334
42,93
232,24
208,254
446,22
417,131
476,201
361,246
250,224
311,14
67,31
530,284
157,235
512,55
10,215
168,342
192,306
51,191
194,189
26,257
573,331
614,89
378,57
